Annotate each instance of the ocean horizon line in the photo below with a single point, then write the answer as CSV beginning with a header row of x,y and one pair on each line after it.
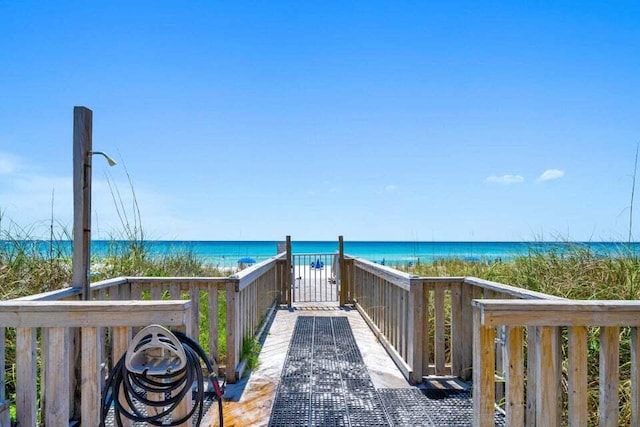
x,y
625,242
230,253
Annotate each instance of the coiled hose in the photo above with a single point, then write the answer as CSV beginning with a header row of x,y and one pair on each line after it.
x,y
174,386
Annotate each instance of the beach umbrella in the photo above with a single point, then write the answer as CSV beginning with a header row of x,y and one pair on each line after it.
x,y
246,260
317,264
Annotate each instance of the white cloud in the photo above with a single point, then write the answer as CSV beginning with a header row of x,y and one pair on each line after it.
x,y
505,179
550,174
391,188
8,163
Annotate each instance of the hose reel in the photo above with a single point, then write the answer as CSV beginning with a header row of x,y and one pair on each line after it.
x,y
158,370
155,351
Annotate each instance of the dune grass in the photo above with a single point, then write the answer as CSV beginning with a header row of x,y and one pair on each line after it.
x,y
576,273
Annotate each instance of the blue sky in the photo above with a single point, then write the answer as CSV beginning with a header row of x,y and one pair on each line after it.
x,y
375,120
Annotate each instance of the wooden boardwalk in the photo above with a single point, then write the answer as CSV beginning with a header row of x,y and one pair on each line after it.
x,y
250,401
430,326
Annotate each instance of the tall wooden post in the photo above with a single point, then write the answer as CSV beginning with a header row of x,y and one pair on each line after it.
x,y
484,364
415,325
289,273
234,337
343,272
82,146
82,141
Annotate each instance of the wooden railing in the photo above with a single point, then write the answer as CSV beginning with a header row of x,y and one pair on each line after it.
x,y
513,348
126,303
391,303
55,321
545,322
251,298
425,322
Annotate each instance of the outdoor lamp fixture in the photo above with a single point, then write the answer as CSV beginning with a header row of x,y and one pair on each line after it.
x,y
82,152
106,156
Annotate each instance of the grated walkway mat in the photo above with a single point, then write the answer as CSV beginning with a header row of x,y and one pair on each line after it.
x,y
208,401
413,406
325,382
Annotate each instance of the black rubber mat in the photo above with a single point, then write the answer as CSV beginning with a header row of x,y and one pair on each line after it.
x,y
412,407
324,381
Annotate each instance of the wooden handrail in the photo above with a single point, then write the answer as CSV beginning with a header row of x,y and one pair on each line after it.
x,y
247,276
509,290
558,313
52,295
199,280
35,314
108,283
391,275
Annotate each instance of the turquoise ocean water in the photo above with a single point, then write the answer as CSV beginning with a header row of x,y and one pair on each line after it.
x,y
228,253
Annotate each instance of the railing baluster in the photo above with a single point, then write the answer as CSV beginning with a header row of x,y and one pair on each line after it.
x,y
194,296
549,375
406,307
26,376
514,376
391,305
91,374
57,378
121,339
457,335
213,320
577,373
386,313
415,328
174,291
609,375
532,375
233,337
396,309
4,405
426,330
156,291
635,376
2,365
136,291
439,350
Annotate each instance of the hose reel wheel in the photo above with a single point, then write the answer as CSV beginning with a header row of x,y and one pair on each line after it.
x,y
155,351
162,364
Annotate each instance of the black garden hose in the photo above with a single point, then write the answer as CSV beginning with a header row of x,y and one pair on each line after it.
x,y
174,386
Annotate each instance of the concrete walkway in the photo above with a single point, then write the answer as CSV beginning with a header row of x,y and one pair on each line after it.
x,y
249,402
